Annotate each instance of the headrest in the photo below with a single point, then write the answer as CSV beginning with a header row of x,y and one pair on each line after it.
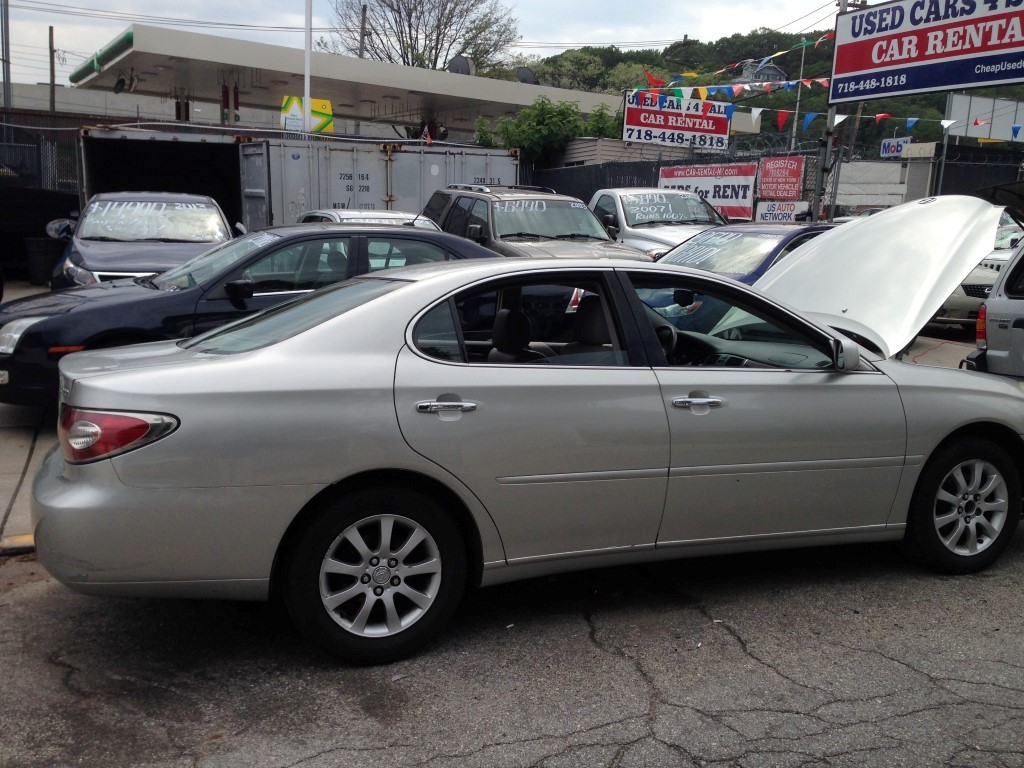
x,y
511,330
590,326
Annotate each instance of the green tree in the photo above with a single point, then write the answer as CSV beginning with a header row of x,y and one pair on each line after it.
x,y
543,129
602,124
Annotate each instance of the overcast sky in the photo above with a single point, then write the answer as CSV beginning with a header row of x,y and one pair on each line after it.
x,y
545,26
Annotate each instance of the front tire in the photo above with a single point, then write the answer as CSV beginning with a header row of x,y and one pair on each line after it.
x,y
965,508
376,574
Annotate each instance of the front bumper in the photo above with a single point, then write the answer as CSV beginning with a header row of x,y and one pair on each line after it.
x,y
29,377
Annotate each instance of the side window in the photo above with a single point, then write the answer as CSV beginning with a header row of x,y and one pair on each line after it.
x,y
605,206
562,321
459,218
435,206
437,336
1015,280
700,325
300,267
478,215
388,252
795,243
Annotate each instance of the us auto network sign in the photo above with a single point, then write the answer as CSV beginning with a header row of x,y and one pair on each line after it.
x,y
919,46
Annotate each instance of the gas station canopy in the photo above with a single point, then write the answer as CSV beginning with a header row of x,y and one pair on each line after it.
x,y
192,67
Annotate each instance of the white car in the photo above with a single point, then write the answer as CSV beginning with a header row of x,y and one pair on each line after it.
x,y
372,450
651,219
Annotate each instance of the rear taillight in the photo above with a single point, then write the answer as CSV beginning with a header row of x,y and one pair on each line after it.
x,y
91,435
980,334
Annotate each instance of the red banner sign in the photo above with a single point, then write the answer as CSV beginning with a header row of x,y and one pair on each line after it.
x,y
781,178
730,188
660,119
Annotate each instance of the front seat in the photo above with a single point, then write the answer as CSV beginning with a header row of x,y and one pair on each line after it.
x,y
511,338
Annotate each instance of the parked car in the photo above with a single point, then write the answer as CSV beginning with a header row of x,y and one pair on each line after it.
x,y
235,279
743,252
1000,323
524,221
369,451
1007,237
133,234
963,305
355,216
651,219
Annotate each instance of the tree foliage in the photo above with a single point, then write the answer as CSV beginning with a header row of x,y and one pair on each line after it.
x,y
424,33
543,129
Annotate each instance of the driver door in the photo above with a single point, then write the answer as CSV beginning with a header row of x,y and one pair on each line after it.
x,y
767,437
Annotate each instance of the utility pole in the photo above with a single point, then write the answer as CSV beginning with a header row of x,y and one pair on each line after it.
x,y
799,85
824,146
53,77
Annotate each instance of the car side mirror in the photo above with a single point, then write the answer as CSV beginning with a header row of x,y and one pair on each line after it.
x,y
239,290
475,232
845,355
683,297
609,223
61,229
240,228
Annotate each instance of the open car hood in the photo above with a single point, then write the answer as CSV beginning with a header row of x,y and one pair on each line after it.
x,y
890,272
1009,195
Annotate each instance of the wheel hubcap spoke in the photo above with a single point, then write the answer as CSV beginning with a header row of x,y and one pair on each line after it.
x,y
970,507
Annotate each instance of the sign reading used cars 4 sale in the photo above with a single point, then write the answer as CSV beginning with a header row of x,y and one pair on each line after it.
x,y
659,118
917,46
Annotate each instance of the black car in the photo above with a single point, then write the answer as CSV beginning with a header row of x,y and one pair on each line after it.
x,y
237,278
130,234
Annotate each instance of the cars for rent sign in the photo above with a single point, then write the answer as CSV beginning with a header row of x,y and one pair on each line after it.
x,y
729,187
918,46
658,118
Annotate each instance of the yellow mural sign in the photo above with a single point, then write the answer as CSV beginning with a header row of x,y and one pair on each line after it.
x,y
321,115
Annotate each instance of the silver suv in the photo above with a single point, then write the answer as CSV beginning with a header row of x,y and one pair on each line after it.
x,y
1000,325
524,221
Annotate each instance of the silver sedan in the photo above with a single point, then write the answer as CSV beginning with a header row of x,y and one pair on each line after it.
x,y
370,451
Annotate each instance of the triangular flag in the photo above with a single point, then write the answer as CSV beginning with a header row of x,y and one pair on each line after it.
x,y
767,87
737,90
702,93
911,122
823,38
691,74
755,113
732,108
1016,130
764,61
882,116
809,118
807,83
678,93
946,123
789,85
661,101
838,120
652,80
822,81
979,121
425,136
782,116
712,90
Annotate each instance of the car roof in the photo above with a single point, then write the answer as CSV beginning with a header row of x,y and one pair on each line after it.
x,y
356,213
649,190
366,228
510,192
155,197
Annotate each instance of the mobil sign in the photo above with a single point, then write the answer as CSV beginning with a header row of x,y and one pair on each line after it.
x,y
894,147
918,46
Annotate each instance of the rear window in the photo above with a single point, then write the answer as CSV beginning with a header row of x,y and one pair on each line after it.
x,y
291,318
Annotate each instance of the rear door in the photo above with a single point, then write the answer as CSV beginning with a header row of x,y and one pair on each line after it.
x,y
566,447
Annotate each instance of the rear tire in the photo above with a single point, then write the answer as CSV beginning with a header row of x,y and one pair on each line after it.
x,y
375,575
965,508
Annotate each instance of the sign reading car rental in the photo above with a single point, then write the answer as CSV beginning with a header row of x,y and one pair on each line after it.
x,y
917,46
729,187
659,118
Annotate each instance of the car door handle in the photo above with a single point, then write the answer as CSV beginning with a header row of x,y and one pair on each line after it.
x,y
697,402
440,406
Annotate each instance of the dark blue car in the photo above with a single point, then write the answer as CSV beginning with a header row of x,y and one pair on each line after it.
x,y
239,277
743,252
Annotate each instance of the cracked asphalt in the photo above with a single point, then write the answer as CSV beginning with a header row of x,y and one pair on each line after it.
x,y
832,657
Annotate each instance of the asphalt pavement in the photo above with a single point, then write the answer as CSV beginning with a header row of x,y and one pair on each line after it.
x,y
25,437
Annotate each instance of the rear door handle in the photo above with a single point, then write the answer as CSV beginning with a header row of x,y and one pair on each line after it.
x,y
697,402
441,406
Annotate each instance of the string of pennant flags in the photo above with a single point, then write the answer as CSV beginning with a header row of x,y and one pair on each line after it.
x,y
667,90
673,88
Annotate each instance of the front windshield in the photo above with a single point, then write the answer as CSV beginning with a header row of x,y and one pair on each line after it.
x,y
725,253
213,262
286,320
546,218
131,220
1008,236
651,208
